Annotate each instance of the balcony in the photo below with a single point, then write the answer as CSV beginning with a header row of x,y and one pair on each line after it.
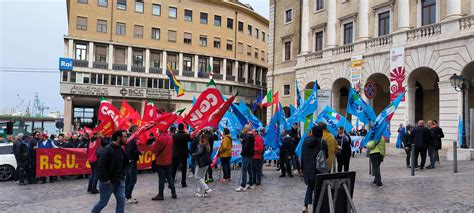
x,y
100,65
313,56
250,81
203,75
379,42
348,48
138,68
466,22
230,77
241,80
424,32
155,70
80,63
188,73
120,67
217,76
176,72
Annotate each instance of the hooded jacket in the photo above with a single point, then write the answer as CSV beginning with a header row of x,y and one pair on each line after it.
x,y
163,148
332,144
312,145
226,147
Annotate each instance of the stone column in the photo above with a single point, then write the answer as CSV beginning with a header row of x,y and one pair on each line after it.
x,y
472,7
180,64
147,60
110,56
254,74
236,70
90,54
305,27
450,107
70,48
196,66
211,61
129,59
403,14
453,9
336,102
68,114
246,72
224,69
164,63
410,102
331,27
363,19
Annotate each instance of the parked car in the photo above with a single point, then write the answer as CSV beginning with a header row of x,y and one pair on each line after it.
x,y
7,162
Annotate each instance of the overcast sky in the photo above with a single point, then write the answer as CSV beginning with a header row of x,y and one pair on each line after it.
x,y
31,41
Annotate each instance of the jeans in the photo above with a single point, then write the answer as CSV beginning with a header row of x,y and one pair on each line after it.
x,y
184,164
437,154
164,172
93,178
376,160
310,182
199,176
285,166
106,190
225,162
408,152
193,166
130,179
295,162
421,151
209,172
343,161
431,154
257,171
246,168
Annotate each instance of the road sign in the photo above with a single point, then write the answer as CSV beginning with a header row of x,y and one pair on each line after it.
x,y
370,89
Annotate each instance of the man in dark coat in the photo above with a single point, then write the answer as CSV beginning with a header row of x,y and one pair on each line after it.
x,y
421,136
133,155
286,152
295,134
247,153
180,153
212,137
312,145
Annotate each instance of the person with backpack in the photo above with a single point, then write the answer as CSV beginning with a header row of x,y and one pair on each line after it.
x,y
377,154
343,155
313,144
202,157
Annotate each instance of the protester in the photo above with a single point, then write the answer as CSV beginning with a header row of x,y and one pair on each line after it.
x,y
193,149
331,143
401,135
343,154
74,141
92,159
84,141
180,153
60,142
32,146
363,131
202,157
312,145
257,159
212,137
111,168
377,154
286,152
163,149
150,141
45,143
295,134
436,135
225,154
20,150
421,136
247,154
439,142
133,155
407,142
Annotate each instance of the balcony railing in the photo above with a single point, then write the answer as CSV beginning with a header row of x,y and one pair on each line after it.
x,y
217,76
348,48
230,77
138,68
121,67
250,81
188,73
80,63
466,22
241,80
203,75
423,32
155,70
379,41
100,65
313,56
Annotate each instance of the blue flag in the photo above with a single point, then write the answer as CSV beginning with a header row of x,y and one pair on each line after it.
x,y
272,138
257,103
299,99
383,121
229,121
292,109
358,107
334,120
245,110
308,107
305,134
460,130
240,117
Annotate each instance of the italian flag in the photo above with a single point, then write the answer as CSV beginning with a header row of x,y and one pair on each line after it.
x,y
269,99
209,68
334,115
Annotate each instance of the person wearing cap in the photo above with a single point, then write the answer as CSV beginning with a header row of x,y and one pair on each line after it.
x,y
45,143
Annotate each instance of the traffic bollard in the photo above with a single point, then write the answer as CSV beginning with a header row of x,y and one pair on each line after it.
x,y
413,160
455,156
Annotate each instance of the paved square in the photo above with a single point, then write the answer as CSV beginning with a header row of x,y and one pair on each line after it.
x,y
437,190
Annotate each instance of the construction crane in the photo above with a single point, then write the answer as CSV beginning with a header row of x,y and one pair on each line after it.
x,y
21,101
38,107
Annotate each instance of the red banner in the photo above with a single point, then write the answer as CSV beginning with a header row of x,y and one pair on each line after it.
x,y
108,117
58,162
209,101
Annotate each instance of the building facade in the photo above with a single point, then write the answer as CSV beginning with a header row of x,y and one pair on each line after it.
x,y
434,39
120,49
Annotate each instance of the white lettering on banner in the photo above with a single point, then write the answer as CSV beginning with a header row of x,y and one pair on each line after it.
x,y
211,100
105,111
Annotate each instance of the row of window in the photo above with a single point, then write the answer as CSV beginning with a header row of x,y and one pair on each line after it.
x,y
152,83
188,16
172,36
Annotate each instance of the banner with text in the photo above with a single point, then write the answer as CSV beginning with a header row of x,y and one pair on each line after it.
x,y
397,72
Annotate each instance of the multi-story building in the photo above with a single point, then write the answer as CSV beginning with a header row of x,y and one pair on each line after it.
x,y
322,40
120,49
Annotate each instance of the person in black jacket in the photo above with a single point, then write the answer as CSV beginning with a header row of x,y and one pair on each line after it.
x,y
436,135
202,157
133,155
312,145
74,142
406,140
421,136
180,153
295,134
111,169
247,153
286,152
344,154
439,143
192,149
20,150
212,137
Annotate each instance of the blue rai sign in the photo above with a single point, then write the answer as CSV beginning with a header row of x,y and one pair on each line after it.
x,y
65,64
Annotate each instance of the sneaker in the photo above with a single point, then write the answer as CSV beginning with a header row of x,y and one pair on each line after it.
x,y
430,167
158,197
134,200
94,191
379,184
240,189
290,175
129,201
250,187
207,191
190,175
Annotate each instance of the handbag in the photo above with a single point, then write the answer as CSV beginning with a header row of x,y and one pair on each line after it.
x,y
321,164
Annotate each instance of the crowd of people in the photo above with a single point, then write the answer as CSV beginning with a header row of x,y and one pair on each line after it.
x,y
114,160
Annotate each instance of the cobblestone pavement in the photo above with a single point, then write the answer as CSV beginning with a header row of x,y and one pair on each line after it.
x,y
437,190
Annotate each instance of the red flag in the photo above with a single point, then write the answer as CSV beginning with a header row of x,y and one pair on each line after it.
x,y
161,123
275,98
109,118
209,101
216,116
150,113
127,113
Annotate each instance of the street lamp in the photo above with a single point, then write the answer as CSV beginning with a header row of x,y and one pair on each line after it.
x,y
459,84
